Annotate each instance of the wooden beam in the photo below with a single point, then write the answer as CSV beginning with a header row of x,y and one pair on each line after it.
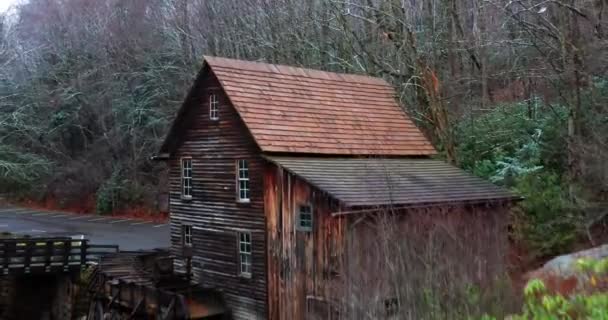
x,y
136,308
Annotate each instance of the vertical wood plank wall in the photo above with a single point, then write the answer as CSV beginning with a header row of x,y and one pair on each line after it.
x,y
214,212
299,262
306,268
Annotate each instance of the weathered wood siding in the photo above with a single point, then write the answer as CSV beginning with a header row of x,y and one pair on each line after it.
x,y
446,250
214,213
300,264
348,265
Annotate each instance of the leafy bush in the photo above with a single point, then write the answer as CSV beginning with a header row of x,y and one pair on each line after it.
x,y
116,193
19,170
468,302
506,143
550,221
108,194
592,304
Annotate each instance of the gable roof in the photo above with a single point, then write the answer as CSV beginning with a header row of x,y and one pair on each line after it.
x,y
392,181
296,110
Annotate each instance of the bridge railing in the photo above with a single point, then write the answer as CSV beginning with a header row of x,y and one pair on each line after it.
x,y
47,255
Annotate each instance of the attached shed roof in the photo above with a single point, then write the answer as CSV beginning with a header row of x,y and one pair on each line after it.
x,y
359,182
296,110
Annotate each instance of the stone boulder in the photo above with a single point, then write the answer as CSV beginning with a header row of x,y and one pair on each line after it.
x,y
561,274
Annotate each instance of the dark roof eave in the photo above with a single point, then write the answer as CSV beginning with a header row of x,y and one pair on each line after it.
x,y
269,154
362,209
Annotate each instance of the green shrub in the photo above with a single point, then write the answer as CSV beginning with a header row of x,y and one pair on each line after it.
x,y
467,302
20,170
107,196
506,143
526,154
118,192
591,304
550,221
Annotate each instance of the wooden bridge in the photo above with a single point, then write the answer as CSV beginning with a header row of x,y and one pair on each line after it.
x,y
137,285
47,255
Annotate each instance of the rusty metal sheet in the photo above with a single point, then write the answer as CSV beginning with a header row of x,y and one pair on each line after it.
x,y
360,182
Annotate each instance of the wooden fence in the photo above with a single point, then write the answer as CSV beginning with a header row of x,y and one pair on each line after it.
x,y
47,255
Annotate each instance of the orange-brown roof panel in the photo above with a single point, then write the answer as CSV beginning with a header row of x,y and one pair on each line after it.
x,y
296,110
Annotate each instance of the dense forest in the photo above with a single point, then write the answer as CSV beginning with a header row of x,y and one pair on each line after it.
x,y
513,91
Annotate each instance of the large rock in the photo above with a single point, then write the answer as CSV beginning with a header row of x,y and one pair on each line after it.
x,y
561,274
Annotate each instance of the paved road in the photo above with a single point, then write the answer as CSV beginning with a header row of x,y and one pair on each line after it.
x,y
129,234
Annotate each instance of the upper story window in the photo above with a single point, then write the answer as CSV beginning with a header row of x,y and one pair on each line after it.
x,y
214,107
305,216
243,181
245,254
187,235
186,178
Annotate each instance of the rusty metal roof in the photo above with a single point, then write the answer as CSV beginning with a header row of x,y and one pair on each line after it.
x,y
289,109
358,182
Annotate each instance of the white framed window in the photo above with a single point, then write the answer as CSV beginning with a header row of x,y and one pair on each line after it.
x,y
187,178
244,254
242,187
187,235
305,217
214,107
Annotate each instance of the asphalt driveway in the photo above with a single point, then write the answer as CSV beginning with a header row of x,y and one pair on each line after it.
x,y
129,234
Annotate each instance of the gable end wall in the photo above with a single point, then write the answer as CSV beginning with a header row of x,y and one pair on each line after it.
x,y
213,212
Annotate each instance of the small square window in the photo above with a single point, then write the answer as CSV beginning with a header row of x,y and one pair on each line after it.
x,y
187,235
305,217
186,178
214,107
245,254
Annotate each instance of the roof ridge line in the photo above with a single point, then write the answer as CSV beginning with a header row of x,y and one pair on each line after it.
x,y
384,85
304,69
